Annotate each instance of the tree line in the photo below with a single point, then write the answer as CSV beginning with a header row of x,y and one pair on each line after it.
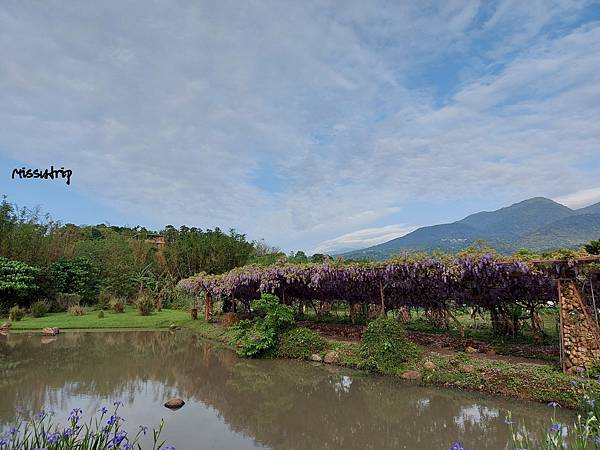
x,y
41,258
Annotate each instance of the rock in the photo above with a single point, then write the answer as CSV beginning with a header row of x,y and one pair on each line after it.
x,y
491,352
174,403
430,365
5,326
331,357
411,375
50,331
471,350
467,368
173,327
315,357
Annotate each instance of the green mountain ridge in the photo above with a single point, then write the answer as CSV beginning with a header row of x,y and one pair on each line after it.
x,y
537,224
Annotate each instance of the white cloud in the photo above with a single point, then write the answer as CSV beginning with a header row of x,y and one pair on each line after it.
x,y
169,112
580,199
364,238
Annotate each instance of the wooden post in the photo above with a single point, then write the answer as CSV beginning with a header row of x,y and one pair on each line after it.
x,y
208,307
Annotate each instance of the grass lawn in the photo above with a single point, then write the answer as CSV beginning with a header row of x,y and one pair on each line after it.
x,y
128,319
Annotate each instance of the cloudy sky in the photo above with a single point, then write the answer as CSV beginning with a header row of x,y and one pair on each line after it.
x,y
316,125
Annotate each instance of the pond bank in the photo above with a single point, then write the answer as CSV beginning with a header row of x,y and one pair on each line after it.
x,y
460,370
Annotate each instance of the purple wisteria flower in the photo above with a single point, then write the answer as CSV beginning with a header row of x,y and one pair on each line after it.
x,y
457,446
554,405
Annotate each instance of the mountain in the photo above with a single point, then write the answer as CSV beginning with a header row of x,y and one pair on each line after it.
x,y
520,218
537,223
592,209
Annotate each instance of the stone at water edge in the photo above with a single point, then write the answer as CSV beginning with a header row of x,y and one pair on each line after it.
x,y
50,331
429,365
174,403
316,358
5,326
411,375
331,357
471,350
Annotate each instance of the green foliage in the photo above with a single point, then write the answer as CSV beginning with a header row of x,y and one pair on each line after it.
x,y
63,301
593,247
76,310
261,336
101,314
39,308
101,431
76,276
17,282
116,260
117,305
384,347
299,343
181,299
144,304
16,313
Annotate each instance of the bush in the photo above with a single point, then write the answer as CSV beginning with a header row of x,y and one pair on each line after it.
x,y
384,347
76,310
299,343
117,305
260,338
16,313
77,276
144,304
64,301
101,314
104,299
39,308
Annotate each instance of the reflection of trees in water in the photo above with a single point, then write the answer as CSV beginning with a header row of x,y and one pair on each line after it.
x,y
282,404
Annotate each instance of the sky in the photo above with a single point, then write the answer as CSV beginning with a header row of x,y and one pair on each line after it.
x,y
314,125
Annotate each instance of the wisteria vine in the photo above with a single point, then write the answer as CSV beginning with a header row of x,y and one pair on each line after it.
x,y
484,282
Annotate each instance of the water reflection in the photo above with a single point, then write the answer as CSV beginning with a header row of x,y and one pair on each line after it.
x,y
243,404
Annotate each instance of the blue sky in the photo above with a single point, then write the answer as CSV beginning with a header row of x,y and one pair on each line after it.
x,y
314,125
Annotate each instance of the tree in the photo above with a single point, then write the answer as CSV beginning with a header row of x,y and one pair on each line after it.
x,y
593,247
17,283
76,276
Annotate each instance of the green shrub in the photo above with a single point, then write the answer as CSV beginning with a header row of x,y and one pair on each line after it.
x,y
101,314
16,313
260,338
384,347
299,343
117,305
76,275
144,304
64,301
39,308
104,299
76,310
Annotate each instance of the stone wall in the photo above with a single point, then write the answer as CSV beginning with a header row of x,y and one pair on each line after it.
x,y
580,336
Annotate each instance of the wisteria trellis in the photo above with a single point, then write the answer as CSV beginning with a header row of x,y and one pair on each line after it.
x,y
484,282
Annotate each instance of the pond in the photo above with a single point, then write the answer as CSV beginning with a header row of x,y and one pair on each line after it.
x,y
235,403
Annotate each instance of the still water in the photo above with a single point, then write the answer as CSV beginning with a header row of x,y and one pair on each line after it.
x,y
238,404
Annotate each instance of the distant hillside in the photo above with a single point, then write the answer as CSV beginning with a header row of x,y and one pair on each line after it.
x,y
537,223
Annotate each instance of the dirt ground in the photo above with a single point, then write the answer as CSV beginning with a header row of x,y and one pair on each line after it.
x,y
447,344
